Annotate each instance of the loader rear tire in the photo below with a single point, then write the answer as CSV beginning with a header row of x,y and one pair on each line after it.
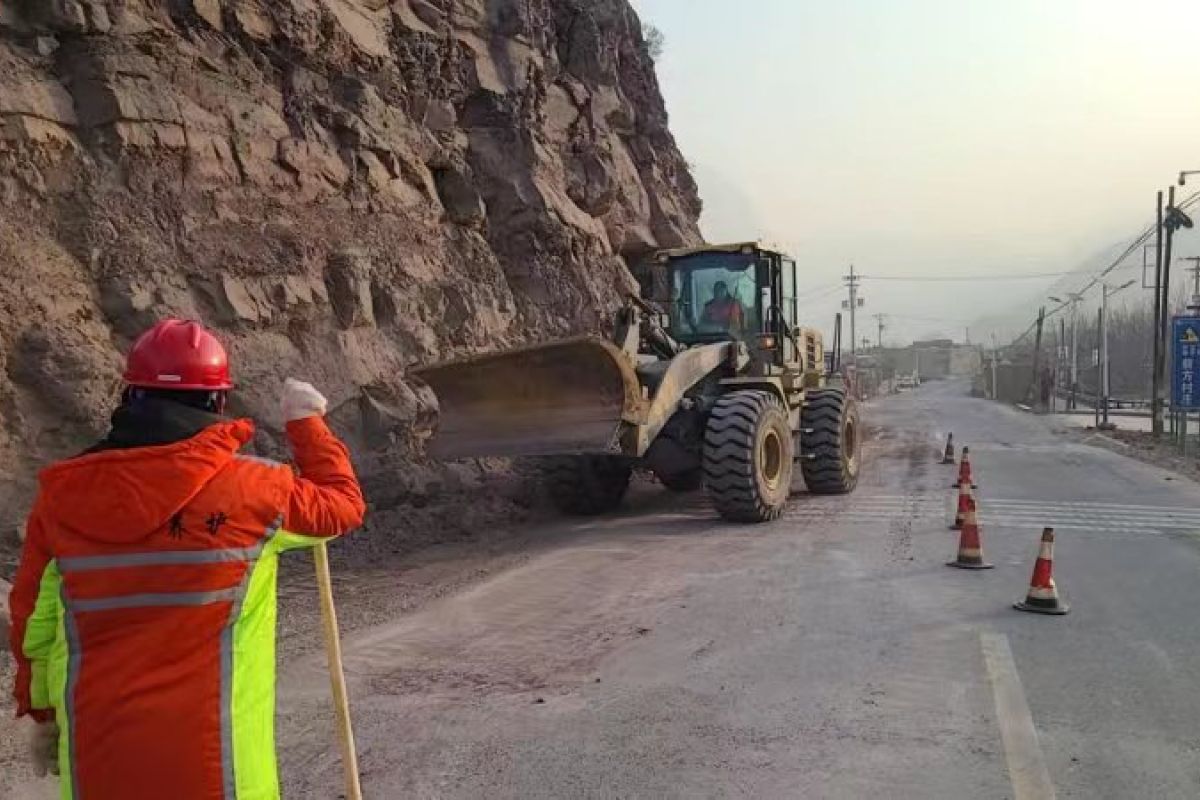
x,y
830,442
748,457
587,485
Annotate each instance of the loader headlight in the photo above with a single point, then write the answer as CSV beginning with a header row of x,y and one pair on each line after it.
x,y
766,341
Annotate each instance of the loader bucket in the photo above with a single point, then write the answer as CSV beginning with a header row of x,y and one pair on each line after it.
x,y
572,396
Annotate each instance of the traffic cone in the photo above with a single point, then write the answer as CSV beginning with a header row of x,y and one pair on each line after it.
x,y
965,498
970,546
948,458
1043,594
964,471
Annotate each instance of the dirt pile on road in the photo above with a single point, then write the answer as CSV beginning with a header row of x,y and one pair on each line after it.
x,y
345,188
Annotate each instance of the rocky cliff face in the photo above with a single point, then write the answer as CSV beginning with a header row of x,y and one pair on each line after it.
x,y
345,188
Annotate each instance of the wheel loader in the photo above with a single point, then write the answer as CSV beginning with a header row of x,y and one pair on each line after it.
x,y
711,383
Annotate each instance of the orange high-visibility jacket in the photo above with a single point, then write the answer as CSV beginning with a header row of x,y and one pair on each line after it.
x,y
144,608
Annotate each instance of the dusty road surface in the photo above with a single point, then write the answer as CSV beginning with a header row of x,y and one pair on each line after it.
x,y
662,653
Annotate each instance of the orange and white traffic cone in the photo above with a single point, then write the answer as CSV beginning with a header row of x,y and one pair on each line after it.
x,y
1043,594
970,545
948,457
964,471
965,498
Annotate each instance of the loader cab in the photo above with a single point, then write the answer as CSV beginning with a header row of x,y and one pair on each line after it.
x,y
739,292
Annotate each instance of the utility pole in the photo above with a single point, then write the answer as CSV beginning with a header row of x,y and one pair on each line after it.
x,y
1060,363
995,389
1037,357
1167,231
1105,380
1156,371
854,302
1101,368
1075,298
879,336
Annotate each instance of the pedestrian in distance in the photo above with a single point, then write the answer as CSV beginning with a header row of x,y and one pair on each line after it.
x,y
144,605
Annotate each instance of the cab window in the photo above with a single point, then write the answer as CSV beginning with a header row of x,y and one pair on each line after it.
x,y
713,297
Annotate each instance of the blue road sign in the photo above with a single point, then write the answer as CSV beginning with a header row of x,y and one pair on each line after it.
x,y
1185,376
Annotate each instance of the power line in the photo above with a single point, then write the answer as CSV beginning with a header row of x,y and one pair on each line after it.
x,y
820,291
1146,234
1138,242
810,298
1009,277
1033,325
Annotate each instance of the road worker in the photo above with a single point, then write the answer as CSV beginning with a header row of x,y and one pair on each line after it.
x,y
143,610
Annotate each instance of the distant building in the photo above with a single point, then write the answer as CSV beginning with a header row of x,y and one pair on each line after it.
x,y
933,359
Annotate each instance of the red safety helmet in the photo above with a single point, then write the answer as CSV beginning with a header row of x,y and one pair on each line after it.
x,y
178,354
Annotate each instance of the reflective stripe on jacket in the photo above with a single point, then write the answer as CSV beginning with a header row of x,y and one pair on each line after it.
x,y
144,608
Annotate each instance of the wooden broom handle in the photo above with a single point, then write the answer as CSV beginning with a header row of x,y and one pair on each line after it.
x,y
337,678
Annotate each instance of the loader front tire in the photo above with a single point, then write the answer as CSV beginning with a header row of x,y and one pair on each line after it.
x,y
830,442
587,485
748,457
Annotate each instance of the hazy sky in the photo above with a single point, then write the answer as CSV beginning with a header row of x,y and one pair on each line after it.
x,y
917,137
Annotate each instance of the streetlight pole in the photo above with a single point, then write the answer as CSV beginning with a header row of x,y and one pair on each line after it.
x,y
1060,364
1099,367
1034,394
1075,298
995,389
1106,292
1105,386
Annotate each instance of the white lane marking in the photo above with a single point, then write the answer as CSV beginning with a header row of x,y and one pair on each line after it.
x,y
1092,519
1070,512
997,511
1045,504
1058,525
1026,767
1097,510
1101,506
1015,508
1021,505
1054,521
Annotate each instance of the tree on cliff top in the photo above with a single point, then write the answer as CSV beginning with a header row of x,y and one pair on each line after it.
x,y
654,40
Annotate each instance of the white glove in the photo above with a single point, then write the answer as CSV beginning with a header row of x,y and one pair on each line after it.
x,y
300,401
43,748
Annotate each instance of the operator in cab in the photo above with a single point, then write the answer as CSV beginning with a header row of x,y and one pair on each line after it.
x,y
724,310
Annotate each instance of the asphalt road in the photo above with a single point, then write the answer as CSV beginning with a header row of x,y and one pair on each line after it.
x,y
661,653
